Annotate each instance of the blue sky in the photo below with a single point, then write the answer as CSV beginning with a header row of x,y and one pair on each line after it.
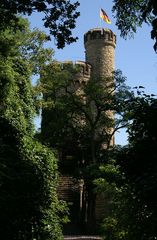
x,y
135,57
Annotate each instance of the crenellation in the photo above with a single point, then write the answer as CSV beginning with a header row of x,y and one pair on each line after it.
x,y
86,68
84,71
100,34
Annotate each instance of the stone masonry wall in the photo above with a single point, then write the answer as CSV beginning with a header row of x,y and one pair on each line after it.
x,y
100,45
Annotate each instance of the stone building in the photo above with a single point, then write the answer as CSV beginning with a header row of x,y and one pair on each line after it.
x,y
99,55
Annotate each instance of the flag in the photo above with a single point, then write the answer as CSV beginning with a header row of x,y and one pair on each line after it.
x,y
104,16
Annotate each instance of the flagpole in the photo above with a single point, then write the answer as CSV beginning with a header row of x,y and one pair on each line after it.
x,y
100,20
100,23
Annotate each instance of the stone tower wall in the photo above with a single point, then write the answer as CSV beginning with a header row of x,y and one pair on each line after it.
x,y
84,73
99,45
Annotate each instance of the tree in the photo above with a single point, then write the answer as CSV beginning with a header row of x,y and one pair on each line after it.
x,y
129,216
28,171
80,111
77,120
111,182
133,214
131,14
59,16
139,162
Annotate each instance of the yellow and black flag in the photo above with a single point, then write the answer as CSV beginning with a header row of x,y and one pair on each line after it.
x,y
104,16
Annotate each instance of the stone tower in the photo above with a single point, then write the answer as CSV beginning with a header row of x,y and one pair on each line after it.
x,y
99,65
99,45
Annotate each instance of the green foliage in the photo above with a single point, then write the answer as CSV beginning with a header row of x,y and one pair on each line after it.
x,y
111,229
131,14
29,205
130,180
110,182
28,171
121,203
79,111
133,214
16,91
76,122
70,107
59,16
139,162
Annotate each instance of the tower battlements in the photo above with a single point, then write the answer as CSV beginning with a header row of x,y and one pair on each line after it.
x,y
100,34
85,68
84,71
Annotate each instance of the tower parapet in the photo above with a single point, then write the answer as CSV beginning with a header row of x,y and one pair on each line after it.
x,y
84,74
101,33
84,71
100,44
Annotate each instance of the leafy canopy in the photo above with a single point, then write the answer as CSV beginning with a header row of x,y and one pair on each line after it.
x,y
59,16
28,171
137,164
131,14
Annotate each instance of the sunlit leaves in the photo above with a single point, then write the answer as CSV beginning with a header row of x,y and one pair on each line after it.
x,y
58,16
132,14
28,171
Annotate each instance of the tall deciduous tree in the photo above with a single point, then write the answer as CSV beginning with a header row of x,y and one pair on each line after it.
x,y
78,119
139,163
28,171
80,112
134,202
